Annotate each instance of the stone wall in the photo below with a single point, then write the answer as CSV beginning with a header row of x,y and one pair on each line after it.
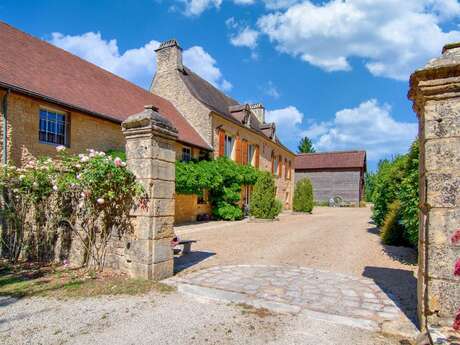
x,y
435,91
328,184
85,131
187,208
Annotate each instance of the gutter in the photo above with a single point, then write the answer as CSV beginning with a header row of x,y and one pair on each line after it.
x,y
5,127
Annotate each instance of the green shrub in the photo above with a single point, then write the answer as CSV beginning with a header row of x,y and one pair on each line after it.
x,y
409,197
117,153
264,204
303,196
392,232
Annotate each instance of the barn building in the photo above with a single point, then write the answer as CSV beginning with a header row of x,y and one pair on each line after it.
x,y
333,174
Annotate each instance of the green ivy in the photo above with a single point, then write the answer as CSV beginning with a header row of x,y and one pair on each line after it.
x,y
222,178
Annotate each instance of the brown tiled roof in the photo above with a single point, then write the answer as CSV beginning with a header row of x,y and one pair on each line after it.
x,y
222,104
331,160
33,66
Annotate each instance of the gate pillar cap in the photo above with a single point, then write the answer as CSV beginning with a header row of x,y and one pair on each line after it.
x,y
149,118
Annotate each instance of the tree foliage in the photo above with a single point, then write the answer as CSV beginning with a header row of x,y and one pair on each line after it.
x,y
306,146
396,183
222,178
264,204
303,196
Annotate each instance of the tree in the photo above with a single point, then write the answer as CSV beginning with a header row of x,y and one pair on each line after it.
x,y
303,196
264,204
306,146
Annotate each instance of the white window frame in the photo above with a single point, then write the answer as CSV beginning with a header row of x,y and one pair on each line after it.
x,y
251,153
275,166
229,143
44,125
186,150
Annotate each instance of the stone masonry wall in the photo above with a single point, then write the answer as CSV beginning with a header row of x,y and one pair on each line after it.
x,y
435,91
85,131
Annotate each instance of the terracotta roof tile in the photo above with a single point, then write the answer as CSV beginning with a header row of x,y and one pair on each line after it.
x,y
331,160
35,66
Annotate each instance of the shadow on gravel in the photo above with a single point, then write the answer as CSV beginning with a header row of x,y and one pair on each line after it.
x,y
399,285
374,230
183,262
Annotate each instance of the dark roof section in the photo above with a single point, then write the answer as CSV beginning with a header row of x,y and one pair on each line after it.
x,y
206,93
223,105
35,67
331,160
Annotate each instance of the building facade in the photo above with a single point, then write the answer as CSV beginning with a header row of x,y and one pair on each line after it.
x,y
334,174
237,131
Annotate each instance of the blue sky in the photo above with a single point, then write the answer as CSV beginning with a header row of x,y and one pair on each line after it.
x,y
336,71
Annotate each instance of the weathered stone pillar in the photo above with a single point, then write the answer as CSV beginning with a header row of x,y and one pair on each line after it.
x,y
150,150
435,91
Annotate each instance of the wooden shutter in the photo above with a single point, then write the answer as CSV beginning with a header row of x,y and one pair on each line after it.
x,y
290,171
221,142
244,148
238,149
286,175
256,152
273,164
280,166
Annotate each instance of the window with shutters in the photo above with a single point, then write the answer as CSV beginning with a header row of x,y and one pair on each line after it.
x,y
251,151
228,146
275,166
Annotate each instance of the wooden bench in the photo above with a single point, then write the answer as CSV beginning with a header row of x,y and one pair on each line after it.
x,y
187,244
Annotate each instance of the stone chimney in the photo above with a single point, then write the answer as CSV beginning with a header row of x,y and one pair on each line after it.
x,y
169,57
259,111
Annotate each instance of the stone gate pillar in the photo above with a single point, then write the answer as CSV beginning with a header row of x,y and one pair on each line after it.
x,y
435,92
151,155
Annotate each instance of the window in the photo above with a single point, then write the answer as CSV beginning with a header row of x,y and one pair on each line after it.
x,y
251,151
275,166
228,149
186,153
53,128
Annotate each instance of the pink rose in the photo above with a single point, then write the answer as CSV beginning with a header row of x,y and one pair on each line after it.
x,y
118,162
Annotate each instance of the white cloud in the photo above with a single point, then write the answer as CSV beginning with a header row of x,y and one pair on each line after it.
x,y
369,126
244,2
137,65
204,65
279,4
393,37
246,37
196,7
288,121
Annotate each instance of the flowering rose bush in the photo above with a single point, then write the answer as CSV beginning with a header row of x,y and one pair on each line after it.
x,y
455,239
90,193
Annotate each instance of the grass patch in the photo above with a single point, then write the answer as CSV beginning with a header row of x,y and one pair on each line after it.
x,y
27,280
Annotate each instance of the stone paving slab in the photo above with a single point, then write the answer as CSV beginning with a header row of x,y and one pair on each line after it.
x,y
334,297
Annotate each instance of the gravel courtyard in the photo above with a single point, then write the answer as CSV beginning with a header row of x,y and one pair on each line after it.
x,y
333,240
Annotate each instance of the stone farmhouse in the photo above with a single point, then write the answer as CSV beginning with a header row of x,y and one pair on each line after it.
x,y
50,97
235,130
334,174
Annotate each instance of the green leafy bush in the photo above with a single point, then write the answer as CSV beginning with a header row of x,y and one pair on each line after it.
x,y
264,204
303,196
222,178
397,180
117,153
409,196
91,190
392,232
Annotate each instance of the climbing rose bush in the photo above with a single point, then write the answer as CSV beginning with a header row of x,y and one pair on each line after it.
x,y
455,239
91,189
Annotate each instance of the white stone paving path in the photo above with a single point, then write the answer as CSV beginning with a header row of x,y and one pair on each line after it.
x,y
329,296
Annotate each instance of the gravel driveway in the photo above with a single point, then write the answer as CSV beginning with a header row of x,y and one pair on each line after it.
x,y
337,240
